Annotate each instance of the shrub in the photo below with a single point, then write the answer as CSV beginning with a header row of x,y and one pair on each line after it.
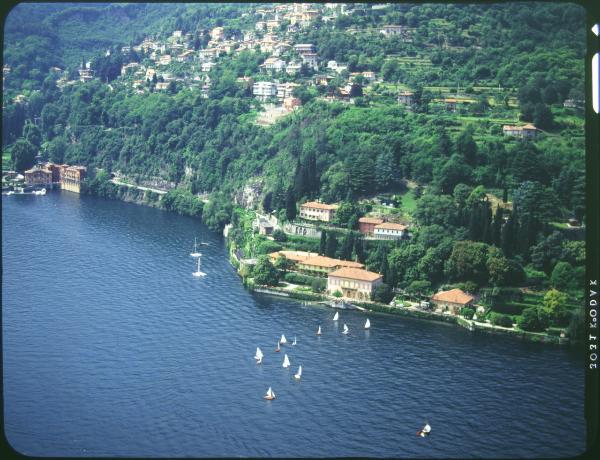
x,y
383,293
318,285
338,294
467,312
267,247
501,320
279,235
533,319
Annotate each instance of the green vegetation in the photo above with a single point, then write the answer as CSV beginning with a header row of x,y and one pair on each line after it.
x,y
487,212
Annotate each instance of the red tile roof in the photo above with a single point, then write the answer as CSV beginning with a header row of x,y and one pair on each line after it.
x,y
453,296
356,274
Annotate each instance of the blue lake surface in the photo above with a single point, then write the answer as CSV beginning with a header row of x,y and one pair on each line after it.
x,y
112,348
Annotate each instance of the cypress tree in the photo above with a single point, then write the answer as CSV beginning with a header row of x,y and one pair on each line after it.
x,y
323,243
497,226
331,245
290,205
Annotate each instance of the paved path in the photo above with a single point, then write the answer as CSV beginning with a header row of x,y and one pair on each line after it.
x,y
139,187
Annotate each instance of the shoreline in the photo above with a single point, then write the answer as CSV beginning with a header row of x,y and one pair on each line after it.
x,y
470,325
411,312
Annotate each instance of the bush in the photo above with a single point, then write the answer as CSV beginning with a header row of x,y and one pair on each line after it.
x,y
318,285
338,294
297,278
533,319
467,312
265,273
501,320
267,247
535,277
279,235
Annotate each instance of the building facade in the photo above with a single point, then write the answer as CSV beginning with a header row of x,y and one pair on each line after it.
x,y
353,283
71,178
527,131
451,301
318,211
389,231
38,175
366,225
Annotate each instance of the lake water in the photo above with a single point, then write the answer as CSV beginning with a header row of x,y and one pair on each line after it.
x,y
112,348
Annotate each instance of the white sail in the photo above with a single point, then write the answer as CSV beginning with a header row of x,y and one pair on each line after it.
x,y
259,353
319,331
198,272
270,393
294,342
286,361
283,340
345,331
336,316
299,373
426,428
195,253
367,324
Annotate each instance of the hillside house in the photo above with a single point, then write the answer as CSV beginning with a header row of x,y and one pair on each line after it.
x,y
273,64
263,90
389,30
304,48
527,131
389,231
366,225
293,68
314,210
286,90
451,301
406,98
217,34
310,60
353,283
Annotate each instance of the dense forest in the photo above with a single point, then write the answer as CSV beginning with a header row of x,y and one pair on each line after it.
x,y
490,210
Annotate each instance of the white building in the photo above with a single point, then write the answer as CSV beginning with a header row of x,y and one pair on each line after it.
x,y
273,64
389,231
392,30
264,89
310,59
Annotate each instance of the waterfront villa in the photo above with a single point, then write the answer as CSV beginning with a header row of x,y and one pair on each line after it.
x,y
38,175
389,231
452,300
366,225
313,264
353,283
314,210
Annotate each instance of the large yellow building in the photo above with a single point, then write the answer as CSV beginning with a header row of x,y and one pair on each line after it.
x,y
353,283
314,210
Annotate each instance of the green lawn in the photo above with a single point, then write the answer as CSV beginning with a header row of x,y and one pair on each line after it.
x,y
409,202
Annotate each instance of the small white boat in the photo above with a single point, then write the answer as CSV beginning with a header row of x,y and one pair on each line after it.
x,y
367,324
259,356
424,431
299,373
336,316
195,252
286,361
278,349
283,340
345,331
294,342
11,192
319,331
270,394
198,273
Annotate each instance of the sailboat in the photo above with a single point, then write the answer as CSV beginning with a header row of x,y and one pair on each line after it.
x,y
195,253
425,430
367,324
270,394
259,356
319,331
345,331
278,349
286,361
198,273
299,373
294,342
336,316
283,340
